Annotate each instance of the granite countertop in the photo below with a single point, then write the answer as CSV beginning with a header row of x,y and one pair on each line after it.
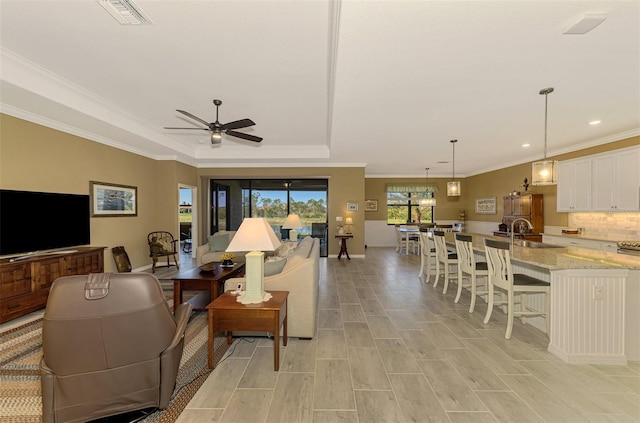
x,y
597,237
560,258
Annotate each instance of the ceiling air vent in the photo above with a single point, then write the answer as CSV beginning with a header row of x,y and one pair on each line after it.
x,y
125,11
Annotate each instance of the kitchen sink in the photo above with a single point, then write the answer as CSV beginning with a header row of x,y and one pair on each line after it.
x,y
533,244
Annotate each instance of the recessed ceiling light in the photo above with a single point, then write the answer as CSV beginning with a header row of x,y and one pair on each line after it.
x,y
595,122
586,24
125,11
526,145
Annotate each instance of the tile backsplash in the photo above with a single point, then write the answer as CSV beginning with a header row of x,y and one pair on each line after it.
x,y
612,225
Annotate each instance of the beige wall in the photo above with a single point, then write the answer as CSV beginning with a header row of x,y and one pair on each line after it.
x,y
346,184
491,184
37,158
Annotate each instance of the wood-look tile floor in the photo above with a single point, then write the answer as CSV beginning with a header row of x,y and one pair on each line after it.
x,y
391,348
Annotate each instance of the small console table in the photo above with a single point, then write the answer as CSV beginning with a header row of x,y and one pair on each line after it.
x,y
343,244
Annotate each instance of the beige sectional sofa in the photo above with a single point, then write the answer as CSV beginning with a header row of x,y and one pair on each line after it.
x,y
300,276
212,250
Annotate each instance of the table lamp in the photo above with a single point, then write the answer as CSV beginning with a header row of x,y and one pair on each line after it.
x,y
292,223
348,222
254,235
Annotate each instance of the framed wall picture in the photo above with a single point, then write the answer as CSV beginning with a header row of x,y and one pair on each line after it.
x,y
370,205
352,207
486,205
109,200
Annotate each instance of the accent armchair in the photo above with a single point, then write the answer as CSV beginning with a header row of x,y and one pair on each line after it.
x,y
163,244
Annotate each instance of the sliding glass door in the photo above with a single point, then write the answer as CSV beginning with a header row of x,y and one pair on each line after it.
x,y
273,199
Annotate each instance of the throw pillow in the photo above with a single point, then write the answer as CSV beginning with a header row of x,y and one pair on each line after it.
x,y
274,265
218,242
165,242
286,249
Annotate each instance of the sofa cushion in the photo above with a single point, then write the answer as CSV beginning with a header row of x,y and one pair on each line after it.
x,y
274,265
304,247
218,242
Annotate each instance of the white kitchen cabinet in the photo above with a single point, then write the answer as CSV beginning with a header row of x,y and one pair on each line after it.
x,y
574,186
616,181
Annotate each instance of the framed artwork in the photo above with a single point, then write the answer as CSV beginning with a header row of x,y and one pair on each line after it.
x,y
370,205
352,206
486,205
109,200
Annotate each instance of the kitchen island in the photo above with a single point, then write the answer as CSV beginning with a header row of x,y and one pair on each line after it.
x,y
595,300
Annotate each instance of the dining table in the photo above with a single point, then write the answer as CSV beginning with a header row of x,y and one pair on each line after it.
x,y
407,232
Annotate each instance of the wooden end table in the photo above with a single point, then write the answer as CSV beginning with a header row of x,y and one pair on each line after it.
x,y
198,280
227,314
343,244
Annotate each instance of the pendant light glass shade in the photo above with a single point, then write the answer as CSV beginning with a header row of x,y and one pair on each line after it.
x,y
545,172
429,201
453,187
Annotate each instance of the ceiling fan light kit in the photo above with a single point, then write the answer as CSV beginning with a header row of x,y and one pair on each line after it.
x,y
453,187
545,172
217,128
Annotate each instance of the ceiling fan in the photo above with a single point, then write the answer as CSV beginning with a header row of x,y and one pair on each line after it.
x,y
217,128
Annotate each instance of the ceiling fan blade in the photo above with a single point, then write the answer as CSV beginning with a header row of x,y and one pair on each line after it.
x,y
204,122
199,129
237,124
244,136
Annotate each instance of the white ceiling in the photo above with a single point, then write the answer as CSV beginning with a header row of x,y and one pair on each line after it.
x,y
382,84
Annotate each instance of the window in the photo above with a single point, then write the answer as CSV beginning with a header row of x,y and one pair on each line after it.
x,y
403,204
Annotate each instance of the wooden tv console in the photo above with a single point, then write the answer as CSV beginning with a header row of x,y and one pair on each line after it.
x,y
25,283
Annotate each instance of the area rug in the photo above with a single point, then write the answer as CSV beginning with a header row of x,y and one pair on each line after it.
x,y
21,350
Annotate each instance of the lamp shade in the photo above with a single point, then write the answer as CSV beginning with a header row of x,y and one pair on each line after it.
x,y
254,234
348,221
292,222
453,188
545,173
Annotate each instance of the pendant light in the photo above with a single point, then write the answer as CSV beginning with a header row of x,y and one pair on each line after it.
x,y
453,187
429,201
545,172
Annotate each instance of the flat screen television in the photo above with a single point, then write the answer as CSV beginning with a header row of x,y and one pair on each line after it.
x,y
36,221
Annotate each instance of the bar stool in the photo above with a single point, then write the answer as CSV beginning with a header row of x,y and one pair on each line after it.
x,y
444,258
467,265
427,255
501,276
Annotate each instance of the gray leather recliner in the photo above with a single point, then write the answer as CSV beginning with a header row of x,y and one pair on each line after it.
x,y
111,345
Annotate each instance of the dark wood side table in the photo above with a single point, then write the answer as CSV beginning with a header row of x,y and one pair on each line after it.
x,y
197,280
227,314
343,244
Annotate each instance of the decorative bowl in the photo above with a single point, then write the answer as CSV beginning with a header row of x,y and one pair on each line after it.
x,y
209,267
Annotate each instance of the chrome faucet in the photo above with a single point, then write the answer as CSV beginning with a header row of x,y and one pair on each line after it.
x,y
513,224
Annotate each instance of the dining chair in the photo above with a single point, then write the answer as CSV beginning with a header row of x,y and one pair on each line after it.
x,y
444,259
518,285
427,255
470,269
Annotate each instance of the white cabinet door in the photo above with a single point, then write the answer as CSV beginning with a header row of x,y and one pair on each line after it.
x,y
616,181
626,193
574,186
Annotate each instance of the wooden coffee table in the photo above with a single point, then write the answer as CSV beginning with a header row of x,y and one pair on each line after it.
x,y
227,314
197,280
